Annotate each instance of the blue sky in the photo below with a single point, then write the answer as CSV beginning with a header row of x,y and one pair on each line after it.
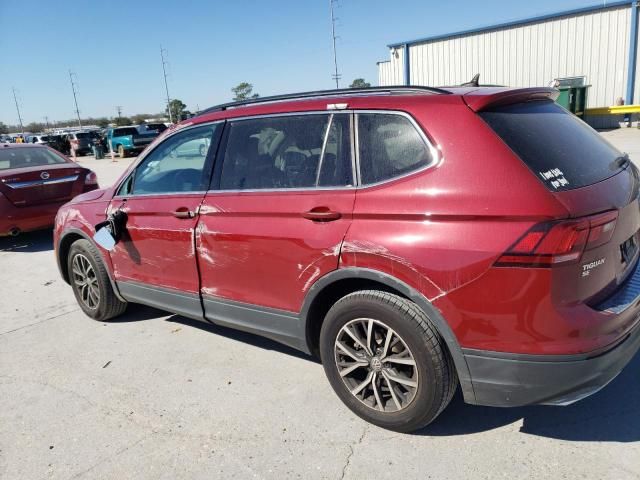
x,y
278,45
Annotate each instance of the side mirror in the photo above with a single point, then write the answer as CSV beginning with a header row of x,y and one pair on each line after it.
x,y
108,232
104,238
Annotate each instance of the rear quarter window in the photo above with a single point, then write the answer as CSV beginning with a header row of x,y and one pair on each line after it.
x,y
560,149
390,146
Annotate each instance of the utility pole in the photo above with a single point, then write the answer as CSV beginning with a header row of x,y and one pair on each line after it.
x,y
46,122
336,76
15,99
166,87
75,98
119,110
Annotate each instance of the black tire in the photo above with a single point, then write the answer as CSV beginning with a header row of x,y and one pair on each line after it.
x,y
433,371
108,305
121,151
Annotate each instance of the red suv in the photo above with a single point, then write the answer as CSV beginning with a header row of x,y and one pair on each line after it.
x,y
413,238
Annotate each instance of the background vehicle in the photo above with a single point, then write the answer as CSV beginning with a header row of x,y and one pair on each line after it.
x,y
414,238
127,140
59,143
157,127
34,181
82,141
40,139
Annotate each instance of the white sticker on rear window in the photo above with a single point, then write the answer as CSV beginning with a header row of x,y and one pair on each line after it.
x,y
555,177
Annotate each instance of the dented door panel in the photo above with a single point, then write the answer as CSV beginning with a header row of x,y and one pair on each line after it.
x,y
157,247
258,247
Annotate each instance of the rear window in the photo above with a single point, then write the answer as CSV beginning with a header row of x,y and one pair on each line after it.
x,y
560,149
83,135
121,132
23,157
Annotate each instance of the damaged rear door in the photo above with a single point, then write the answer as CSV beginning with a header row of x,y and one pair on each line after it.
x,y
274,221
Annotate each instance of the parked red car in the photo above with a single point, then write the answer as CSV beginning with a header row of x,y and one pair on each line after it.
x,y
414,238
35,181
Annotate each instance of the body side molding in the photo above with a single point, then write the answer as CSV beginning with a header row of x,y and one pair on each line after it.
x,y
279,325
181,303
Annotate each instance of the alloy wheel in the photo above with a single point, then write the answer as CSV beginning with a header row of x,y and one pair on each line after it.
x,y
85,281
376,365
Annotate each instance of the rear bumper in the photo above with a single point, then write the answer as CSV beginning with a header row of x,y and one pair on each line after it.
x,y
510,380
26,219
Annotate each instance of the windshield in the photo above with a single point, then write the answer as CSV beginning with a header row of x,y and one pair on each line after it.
x,y
24,157
559,148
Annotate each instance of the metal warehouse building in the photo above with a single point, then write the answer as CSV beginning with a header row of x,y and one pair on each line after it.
x,y
596,46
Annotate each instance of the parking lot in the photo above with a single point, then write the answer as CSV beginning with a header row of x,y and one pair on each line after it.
x,y
153,395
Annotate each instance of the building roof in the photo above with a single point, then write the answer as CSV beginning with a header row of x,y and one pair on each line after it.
x,y
515,23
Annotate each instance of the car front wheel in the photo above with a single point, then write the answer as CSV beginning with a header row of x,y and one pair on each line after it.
x,y
386,361
90,282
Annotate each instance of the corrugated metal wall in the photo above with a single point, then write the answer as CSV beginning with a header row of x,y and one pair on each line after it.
x,y
593,44
390,73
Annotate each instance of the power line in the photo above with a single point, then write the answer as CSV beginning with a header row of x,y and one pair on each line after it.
x,y
15,99
336,76
166,87
75,98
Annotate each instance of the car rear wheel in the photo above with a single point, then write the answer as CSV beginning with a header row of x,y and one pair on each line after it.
x,y
121,151
386,361
90,282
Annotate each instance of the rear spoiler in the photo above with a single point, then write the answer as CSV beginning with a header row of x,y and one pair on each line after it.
x,y
485,98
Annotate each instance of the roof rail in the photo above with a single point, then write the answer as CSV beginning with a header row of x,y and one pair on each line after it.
x,y
327,93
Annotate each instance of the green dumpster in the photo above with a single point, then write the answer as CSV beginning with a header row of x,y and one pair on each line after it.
x,y
573,99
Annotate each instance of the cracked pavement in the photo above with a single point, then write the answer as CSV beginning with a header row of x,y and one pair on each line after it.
x,y
155,396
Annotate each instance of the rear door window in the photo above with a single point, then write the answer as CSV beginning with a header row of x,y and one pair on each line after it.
x,y
297,151
390,146
560,149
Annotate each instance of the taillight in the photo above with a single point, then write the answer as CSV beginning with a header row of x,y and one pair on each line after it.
x,y
552,243
91,179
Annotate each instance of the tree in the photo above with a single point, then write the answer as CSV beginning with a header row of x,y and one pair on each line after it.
x,y
102,122
139,118
119,121
243,91
177,108
34,127
359,83
3,128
